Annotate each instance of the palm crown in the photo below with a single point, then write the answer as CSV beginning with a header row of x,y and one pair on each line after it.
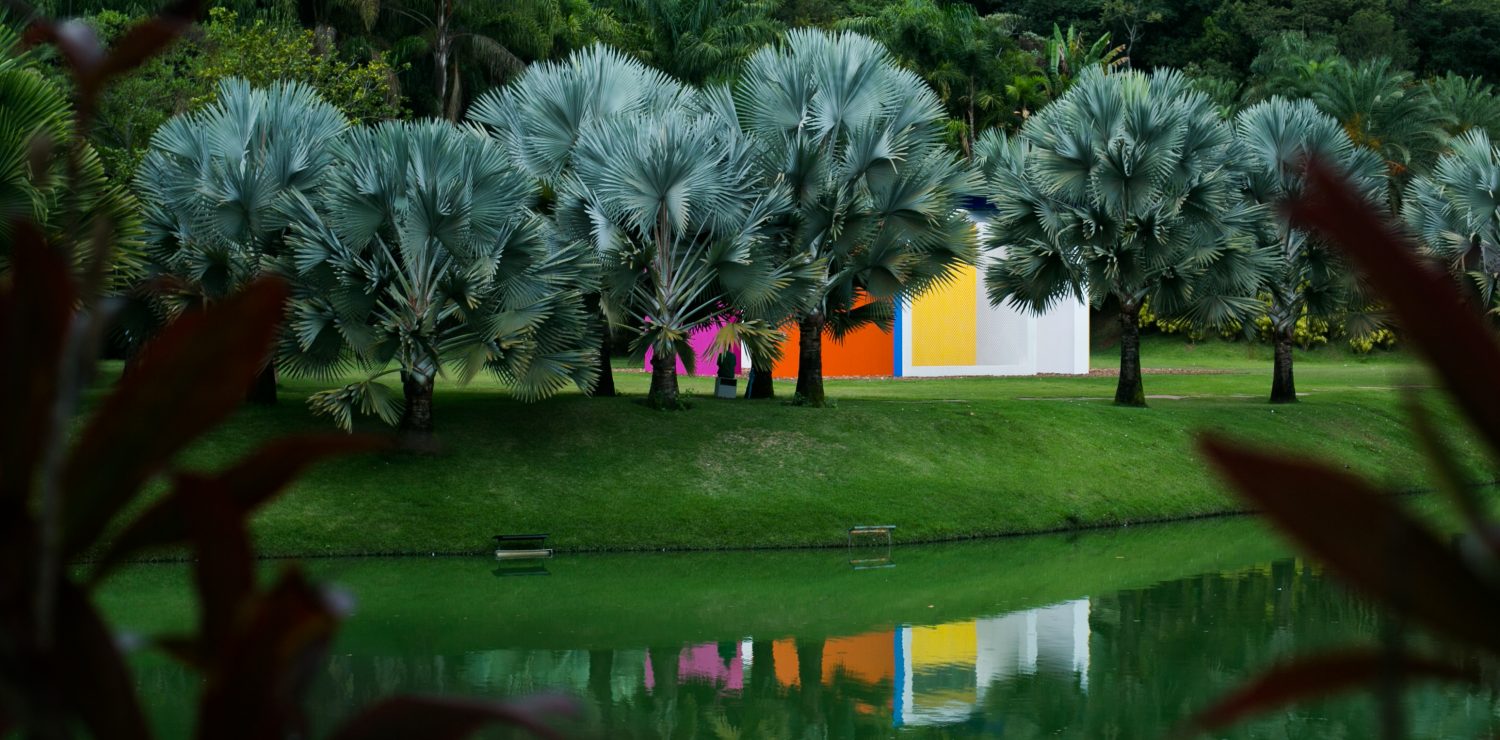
x,y
216,183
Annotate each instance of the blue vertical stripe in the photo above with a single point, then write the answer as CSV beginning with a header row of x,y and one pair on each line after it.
x,y
896,366
900,680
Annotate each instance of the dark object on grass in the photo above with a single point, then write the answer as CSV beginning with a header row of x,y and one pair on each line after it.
x,y
724,383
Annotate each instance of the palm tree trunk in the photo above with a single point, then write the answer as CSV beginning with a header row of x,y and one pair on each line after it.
x,y
1130,391
441,45
263,390
606,385
663,393
1283,387
760,384
415,428
810,360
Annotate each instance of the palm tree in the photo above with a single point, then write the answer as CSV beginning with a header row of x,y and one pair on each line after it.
x,y
1121,191
1382,109
698,41
1466,103
874,193
1068,55
1293,65
423,254
46,171
540,117
670,203
1276,140
215,185
1455,211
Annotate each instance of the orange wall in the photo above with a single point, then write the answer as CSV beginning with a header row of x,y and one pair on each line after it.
x,y
868,351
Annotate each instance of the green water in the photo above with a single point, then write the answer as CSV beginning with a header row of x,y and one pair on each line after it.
x,y
1111,635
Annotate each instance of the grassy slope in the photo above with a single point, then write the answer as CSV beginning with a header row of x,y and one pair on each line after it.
x,y
940,458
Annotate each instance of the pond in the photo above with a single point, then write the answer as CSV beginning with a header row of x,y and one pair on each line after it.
x,y
1114,635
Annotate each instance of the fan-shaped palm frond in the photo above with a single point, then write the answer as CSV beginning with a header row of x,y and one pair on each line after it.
x,y
1455,210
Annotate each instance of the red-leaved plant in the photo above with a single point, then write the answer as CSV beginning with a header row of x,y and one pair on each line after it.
x,y
1358,529
257,647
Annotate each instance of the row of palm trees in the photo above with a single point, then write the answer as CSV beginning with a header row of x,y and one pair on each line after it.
x,y
596,194
1131,190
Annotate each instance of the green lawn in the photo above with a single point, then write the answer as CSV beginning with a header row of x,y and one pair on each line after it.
x,y
941,459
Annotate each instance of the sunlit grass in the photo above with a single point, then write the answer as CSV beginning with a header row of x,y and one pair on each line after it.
x,y
939,458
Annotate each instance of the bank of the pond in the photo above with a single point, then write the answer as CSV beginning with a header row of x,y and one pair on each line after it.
x,y
940,459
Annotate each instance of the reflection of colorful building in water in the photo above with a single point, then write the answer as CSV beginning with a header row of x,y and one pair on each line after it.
x,y
915,676
945,670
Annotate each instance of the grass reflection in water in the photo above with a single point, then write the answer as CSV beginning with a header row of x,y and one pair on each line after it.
x,y
1101,635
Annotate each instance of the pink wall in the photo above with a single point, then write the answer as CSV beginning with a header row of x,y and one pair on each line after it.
x,y
708,366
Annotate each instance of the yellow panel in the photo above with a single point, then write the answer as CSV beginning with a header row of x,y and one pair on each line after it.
x,y
944,645
943,322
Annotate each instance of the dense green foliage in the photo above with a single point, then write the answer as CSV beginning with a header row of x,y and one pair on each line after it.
x,y
257,50
45,170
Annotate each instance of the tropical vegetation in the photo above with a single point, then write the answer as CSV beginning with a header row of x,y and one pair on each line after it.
x,y
1455,212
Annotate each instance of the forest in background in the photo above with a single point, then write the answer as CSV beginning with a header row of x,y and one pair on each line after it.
x,y
993,62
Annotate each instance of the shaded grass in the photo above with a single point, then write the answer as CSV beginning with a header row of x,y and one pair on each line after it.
x,y
947,458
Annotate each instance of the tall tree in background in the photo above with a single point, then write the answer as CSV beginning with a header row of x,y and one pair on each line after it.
x,y
1455,212
1384,110
1122,191
1277,138
215,186
967,59
697,41
422,254
453,46
874,193
1133,17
